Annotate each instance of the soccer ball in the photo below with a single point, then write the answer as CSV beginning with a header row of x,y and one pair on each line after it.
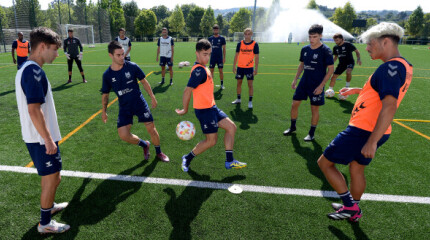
x,y
181,65
342,97
185,130
329,93
186,63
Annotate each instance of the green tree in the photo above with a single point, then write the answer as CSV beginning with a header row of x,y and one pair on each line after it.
x,y
193,20
131,11
161,12
220,21
344,16
146,23
177,22
415,22
371,22
208,20
312,5
426,29
116,15
3,18
186,8
240,20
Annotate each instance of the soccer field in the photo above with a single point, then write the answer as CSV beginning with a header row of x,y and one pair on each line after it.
x,y
285,194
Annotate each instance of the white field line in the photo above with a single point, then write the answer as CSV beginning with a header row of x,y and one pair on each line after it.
x,y
222,186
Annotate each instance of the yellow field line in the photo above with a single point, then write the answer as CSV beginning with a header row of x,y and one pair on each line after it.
x,y
30,164
413,130
8,66
412,120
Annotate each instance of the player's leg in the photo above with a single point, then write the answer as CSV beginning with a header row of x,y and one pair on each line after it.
x,y
251,92
221,75
230,130
155,139
81,70
332,174
358,180
163,68
210,141
240,74
170,64
348,77
294,113
314,122
69,68
125,135
333,81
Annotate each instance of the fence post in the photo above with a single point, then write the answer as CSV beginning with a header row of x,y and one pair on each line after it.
x,y
59,17
2,35
16,21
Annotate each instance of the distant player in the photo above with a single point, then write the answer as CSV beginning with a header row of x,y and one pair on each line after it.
x,y
201,86
343,50
71,45
123,76
39,125
370,123
22,48
246,52
218,53
166,51
125,42
315,59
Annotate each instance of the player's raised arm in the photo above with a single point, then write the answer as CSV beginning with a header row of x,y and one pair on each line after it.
x,y
148,89
186,97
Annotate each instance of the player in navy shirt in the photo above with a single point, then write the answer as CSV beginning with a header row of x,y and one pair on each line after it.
x,y
315,59
123,76
218,53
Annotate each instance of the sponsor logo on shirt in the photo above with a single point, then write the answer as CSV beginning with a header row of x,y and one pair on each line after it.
x,y
124,91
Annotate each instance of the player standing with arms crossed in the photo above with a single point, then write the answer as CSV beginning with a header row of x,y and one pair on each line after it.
x,y
39,125
370,123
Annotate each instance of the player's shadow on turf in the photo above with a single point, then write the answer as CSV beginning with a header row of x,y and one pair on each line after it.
x,y
358,232
99,204
6,93
244,117
218,94
183,209
64,86
160,88
347,105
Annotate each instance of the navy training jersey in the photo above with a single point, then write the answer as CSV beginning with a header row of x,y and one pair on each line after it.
x,y
198,76
389,78
34,84
344,52
315,63
125,84
217,43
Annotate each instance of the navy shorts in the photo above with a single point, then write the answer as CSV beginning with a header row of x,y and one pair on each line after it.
x,y
242,72
20,61
346,146
125,116
303,91
209,118
216,61
342,67
166,60
44,163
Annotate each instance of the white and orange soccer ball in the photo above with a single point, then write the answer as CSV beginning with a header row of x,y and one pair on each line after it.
x,y
342,97
185,130
329,93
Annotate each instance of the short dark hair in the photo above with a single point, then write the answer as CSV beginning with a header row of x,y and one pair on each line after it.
x,y
203,44
164,28
70,30
316,29
216,26
338,35
121,29
44,35
113,46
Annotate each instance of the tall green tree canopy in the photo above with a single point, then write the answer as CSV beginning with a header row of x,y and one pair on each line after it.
x,y
312,5
416,22
161,12
208,20
176,21
240,20
131,11
193,20
145,24
344,17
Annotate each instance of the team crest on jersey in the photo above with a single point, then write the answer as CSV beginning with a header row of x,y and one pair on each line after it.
x,y
315,56
305,54
343,48
113,80
127,75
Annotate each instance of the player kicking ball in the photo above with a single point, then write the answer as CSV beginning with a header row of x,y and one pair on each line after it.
x,y
39,125
123,76
201,86
370,123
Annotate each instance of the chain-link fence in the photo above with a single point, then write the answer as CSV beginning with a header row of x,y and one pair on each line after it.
x,y
24,15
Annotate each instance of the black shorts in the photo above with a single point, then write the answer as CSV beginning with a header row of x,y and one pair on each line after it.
x,y
342,67
242,72
303,91
216,62
125,115
166,61
78,63
44,163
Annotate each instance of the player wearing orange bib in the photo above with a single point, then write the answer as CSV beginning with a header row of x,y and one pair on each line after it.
x,y
22,48
201,86
370,123
247,58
